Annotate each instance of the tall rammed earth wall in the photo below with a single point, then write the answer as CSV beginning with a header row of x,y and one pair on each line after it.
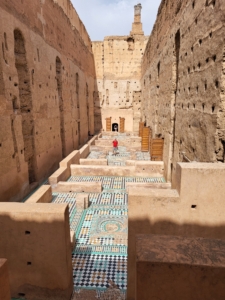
x,y
47,86
183,81
118,69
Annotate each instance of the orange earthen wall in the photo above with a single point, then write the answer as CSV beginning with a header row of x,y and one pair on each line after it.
x,y
183,82
48,34
118,69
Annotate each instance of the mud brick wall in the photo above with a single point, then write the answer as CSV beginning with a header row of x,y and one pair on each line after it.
x,y
183,81
118,69
47,87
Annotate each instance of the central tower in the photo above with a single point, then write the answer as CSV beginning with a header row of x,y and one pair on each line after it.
x,y
137,25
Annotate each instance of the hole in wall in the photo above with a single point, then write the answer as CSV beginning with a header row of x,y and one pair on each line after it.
x,y
29,263
203,106
194,206
217,84
21,294
5,39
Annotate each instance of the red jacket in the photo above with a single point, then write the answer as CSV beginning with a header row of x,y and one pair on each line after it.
x,y
115,143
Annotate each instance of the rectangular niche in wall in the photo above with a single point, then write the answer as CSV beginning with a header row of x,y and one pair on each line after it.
x,y
26,106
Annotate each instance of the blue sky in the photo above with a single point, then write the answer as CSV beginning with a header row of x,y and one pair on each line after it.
x,y
114,17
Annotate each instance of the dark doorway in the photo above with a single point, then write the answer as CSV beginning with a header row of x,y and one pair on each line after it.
x,y
115,127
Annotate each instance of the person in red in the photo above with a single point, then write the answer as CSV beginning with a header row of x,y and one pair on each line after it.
x,y
115,146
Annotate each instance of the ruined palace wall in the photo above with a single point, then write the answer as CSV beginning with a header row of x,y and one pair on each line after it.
x,y
195,209
73,16
118,68
181,81
58,79
35,239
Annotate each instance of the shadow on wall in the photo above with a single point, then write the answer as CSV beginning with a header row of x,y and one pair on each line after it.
x,y
39,260
165,227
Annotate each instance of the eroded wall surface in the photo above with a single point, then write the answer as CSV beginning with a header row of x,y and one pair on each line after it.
x,y
39,260
183,81
118,69
47,87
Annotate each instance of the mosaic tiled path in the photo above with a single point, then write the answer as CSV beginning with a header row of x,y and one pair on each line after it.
x,y
100,256
115,182
121,157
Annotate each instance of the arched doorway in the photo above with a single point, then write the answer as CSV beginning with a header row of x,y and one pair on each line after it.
x,y
115,127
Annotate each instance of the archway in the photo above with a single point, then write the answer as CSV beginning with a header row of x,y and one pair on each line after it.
x,y
115,127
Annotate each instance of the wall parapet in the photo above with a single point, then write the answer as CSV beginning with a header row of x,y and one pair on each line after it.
x,y
75,20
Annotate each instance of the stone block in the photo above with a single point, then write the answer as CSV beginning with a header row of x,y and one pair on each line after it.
x,y
94,162
175,268
84,151
72,158
82,201
42,195
62,174
79,187
72,239
131,186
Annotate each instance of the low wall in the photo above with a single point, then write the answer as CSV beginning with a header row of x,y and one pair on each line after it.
x,y
115,134
94,162
84,151
43,269
131,142
62,174
176,268
79,187
42,195
195,209
156,170
108,148
132,186
92,141
4,280
64,171
73,158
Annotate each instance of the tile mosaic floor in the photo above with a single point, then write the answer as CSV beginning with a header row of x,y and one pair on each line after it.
x,y
121,157
100,256
116,182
